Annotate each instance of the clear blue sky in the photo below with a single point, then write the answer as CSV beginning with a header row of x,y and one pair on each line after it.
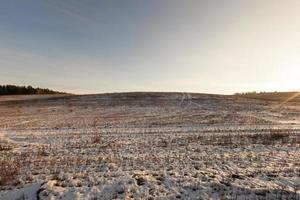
x,y
95,46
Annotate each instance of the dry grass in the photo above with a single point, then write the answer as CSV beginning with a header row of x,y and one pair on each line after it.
x,y
96,139
271,137
9,171
5,147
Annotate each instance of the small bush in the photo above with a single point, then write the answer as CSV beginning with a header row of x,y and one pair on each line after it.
x,y
278,134
5,147
42,152
9,171
96,139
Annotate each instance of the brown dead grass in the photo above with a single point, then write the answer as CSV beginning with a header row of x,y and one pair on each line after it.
x,y
9,171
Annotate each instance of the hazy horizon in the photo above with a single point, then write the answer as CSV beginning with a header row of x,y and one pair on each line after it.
x,y
93,46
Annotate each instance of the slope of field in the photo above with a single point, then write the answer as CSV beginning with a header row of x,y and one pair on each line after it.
x,y
149,146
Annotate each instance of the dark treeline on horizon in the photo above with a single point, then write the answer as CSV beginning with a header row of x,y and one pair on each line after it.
x,y
264,93
19,90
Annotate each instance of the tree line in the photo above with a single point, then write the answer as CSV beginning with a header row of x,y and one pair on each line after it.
x,y
254,93
18,90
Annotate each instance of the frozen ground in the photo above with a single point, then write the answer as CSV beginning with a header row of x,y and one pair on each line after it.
x,y
149,146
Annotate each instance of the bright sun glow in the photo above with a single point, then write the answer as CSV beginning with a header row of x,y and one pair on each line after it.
x,y
291,72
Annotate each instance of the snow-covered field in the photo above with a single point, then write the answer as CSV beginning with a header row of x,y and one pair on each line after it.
x,y
149,146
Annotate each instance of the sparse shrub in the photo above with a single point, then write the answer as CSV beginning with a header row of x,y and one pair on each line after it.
x,y
96,139
5,147
278,134
42,152
8,171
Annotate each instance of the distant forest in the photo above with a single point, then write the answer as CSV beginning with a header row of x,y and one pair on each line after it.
x,y
272,96
18,90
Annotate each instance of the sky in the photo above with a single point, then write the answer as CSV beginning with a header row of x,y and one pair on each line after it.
x,y
99,46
